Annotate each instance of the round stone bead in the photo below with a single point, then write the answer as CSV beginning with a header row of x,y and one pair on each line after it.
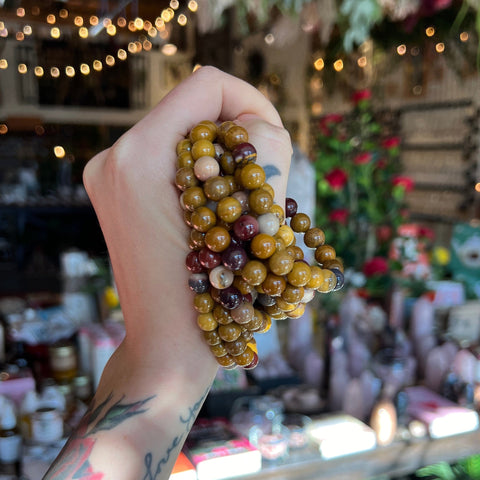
x,y
202,148
227,163
230,297
203,219
268,223
266,324
216,188
219,151
245,228
274,285
202,131
218,350
269,189
262,246
245,358
222,129
260,201
227,362
185,159
275,312
300,222
203,302
279,244
243,313
256,322
329,282
331,264
192,263
254,272
206,167
208,258
217,239
211,125
244,153
290,207
212,338
278,211
324,253
295,251
340,278
242,286
199,283
232,184
192,198
197,238
247,335
220,277
283,305
236,347
222,315
242,197
234,258
184,145
187,217
293,294
300,274
314,237
230,332
286,234
253,363
265,300
280,263
316,278
229,209
252,176
185,178
234,136
308,296
297,312
206,322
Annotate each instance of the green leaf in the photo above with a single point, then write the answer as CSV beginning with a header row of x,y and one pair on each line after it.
x,y
441,470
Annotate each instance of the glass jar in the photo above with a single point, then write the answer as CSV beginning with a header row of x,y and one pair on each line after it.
x,y
47,425
63,361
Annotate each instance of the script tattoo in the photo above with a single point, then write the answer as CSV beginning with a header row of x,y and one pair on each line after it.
x,y
153,472
73,462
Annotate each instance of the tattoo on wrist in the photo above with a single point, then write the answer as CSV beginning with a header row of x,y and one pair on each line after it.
x,y
153,472
73,461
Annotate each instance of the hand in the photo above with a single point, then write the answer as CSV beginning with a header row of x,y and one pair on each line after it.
x,y
155,383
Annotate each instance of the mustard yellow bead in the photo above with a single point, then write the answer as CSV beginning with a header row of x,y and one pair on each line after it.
x,y
316,278
206,322
203,302
252,176
185,159
276,209
286,234
217,239
222,315
263,245
281,263
324,253
297,312
202,148
267,324
201,132
183,145
329,282
273,285
293,294
234,136
254,272
300,222
203,219
314,237
260,201
229,209
192,198
271,191
284,306
300,274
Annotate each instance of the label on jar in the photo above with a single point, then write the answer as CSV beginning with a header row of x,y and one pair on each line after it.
x,y
47,426
10,448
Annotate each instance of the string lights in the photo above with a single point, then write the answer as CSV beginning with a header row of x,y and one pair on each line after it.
x,y
65,23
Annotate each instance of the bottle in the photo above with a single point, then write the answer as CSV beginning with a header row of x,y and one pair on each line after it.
x,y
63,361
28,406
10,442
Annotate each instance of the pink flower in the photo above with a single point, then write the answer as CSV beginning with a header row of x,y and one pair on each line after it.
x,y
426,232
336,178
339,215
328,121
405,182
362,158
382,163
375,266
391,142
360,95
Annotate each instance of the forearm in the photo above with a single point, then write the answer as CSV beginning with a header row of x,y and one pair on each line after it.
x,y
133,430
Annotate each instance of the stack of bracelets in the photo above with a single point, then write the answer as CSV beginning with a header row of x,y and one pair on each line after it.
x,y
245,268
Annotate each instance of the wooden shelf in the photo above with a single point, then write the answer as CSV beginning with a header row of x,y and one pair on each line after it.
x,y
400,458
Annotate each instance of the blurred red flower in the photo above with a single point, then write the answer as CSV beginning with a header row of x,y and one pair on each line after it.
x,y
375,266
339,215
336,178
402,181
360,95
362,158
391,142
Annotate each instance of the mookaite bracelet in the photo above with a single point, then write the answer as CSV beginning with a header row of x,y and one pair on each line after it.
x,y
245,267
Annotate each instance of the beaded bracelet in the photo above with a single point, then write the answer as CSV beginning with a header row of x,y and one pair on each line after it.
x,y
245,267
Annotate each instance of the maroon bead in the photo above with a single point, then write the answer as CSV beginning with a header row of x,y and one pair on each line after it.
x,y
199,283
234,257
193,263
290,207
230,298
245,228
244,153
208,258
248,297
253,363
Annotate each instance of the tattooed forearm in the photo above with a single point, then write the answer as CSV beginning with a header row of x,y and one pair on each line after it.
x,y
271,171
74,460
153,472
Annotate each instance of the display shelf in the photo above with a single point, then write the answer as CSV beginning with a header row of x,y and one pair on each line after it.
x,y
399,458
